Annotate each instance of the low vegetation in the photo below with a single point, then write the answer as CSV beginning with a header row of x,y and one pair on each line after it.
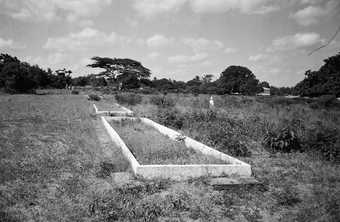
x,y
128,98
107,104
94,97
50,158
53,167
151,147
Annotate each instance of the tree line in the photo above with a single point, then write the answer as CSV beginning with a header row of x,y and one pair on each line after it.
x,y
21,77
128,74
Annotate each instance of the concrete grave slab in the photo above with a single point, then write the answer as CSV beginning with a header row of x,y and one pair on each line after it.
x,y
125,112
234,167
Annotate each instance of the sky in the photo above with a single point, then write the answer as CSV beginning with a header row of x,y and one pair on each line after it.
x,y
175,39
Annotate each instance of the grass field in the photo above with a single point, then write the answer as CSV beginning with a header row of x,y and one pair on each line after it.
x,y
54,168
51,160
107,104
151,147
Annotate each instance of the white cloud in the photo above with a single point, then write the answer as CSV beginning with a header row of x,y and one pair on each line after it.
x,y
266,9
10,44
299,40
85,39
258,57
150,8
188,59
153,55
49,10
309,15
219,6
313,14
230,50
202,44
158,41
154,7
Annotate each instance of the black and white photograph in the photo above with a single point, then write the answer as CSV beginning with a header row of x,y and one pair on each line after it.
x,y
170,110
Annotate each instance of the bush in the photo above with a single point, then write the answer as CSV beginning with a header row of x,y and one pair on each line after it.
x,y
170,117
128,98
283,140
75,92
325,101
234,147
148,90
162,101
94,97
326,141
287,197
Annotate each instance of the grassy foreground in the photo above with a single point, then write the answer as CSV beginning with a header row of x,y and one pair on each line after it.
x,y
54,169
52,165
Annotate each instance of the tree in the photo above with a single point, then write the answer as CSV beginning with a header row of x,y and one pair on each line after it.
x,y
264,84
324,81
163,84
81,80
61,79
17,76
238,79
207,78
120,70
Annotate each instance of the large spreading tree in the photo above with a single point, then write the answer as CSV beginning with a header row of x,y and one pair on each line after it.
x,y
238,79
126,71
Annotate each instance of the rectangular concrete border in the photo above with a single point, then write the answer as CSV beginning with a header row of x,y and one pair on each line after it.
x,y
236,167
126,111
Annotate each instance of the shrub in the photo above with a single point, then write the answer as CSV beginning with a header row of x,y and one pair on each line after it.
x,y
162,101
94,97
128,98
326,141
75,92
106,169
325,101
148,90
283,140
287,197
170,117
234,147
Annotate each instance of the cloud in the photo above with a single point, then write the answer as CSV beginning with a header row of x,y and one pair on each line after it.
x,y
10,44
50,10
158,41
220,6
153,55
265,9
202,44
313,14
151,8
258,57
230,50
188,59
87,38
299,40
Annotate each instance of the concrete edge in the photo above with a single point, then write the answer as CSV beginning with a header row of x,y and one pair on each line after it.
x,y
179,172
113,113
124,108
183,172
119,142
191,143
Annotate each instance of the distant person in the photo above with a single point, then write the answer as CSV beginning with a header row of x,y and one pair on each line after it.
x,y
211,103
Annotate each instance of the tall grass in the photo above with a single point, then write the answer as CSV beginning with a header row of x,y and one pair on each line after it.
x,y
50,156
54,169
